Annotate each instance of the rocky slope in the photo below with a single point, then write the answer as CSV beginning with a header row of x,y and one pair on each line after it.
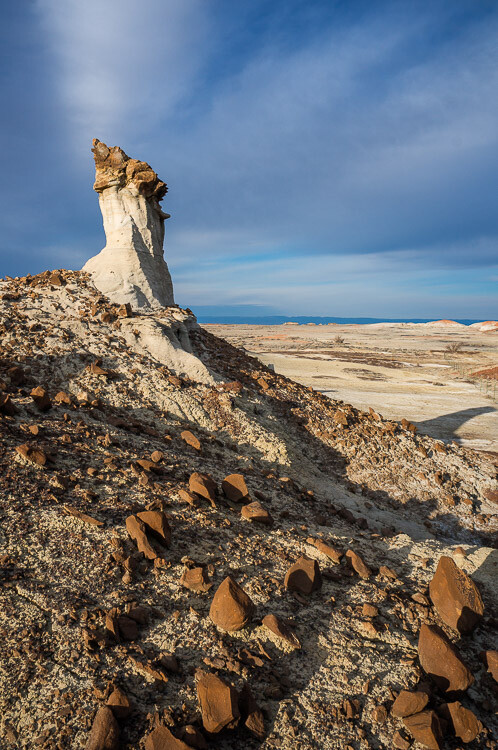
x,y
222,555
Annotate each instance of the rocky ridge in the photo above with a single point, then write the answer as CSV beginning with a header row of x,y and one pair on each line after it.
x,y
142,605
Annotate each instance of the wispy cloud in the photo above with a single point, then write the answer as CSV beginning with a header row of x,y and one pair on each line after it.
x,y
121,65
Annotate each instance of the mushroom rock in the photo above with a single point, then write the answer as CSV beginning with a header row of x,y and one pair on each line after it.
x,y
131,267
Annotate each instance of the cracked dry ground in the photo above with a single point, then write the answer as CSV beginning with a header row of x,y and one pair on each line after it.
x,y
91,434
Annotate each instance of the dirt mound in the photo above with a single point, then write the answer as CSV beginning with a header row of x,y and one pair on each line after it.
x,y
111,551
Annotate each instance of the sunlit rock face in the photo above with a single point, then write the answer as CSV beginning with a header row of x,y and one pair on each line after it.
x,y
131,267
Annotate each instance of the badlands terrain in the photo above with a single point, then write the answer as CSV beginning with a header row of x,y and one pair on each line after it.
x,y
224,556
199,552
400,370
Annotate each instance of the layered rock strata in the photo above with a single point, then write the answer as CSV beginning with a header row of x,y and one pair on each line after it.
x,y
131,267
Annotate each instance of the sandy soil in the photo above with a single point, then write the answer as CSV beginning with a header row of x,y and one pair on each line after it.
x,y
398,370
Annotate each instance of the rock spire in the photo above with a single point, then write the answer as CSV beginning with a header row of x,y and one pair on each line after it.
x,y
131,267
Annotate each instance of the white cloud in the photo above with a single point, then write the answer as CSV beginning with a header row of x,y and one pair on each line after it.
x,y
123,65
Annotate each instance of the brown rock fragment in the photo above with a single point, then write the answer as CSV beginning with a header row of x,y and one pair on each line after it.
x,y
492,663
218,701
256,513
119,704
440,659
425,728
408,703
465,724
234,488
455,596
35,455
157,525
231,608
193,737
104,734
304,576
161,739
125,311
251,714
326,549
7,406
41,398
203,485
138,532
279,628
189,438
156,456
358,564
195,579
399,742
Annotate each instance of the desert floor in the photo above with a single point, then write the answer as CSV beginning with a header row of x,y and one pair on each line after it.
x,y
400,370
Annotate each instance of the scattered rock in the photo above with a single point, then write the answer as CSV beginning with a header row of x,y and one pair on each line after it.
x,y
465,724
189,438
234,488
326,549
192,736
231,608
256,513
280,628
203,485
35,455
218,702
304,576
161,739
195,579
358,564
119,704
251,714
41,398
408,703
148,526
440,659
368,610
492,663
104,734
425,728
455,596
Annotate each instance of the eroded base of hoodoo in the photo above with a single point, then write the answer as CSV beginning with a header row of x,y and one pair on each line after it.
x,y
128,276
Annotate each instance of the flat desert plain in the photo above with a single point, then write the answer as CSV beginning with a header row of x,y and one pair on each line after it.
x,y
400,370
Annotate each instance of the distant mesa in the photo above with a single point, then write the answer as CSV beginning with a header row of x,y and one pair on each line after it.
x,y
445,323
486,325
131,267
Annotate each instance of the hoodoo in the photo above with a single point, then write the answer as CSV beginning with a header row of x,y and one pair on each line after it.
x,y
131,267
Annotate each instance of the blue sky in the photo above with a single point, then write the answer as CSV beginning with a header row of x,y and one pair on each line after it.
x,y
323,158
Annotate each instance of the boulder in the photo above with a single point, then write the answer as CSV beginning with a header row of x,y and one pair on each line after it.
x,y
189,438
408,703
492,663
455,596
104,734
195,579
157,525
218,702
304,576
119,703
193,737
440,659
234,488
358,564
256,513
161,739
203,485
280,628
251,714
425,728
231,608
466,725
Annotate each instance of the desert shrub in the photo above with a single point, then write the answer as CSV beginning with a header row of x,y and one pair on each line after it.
x,y
338,340
454,348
